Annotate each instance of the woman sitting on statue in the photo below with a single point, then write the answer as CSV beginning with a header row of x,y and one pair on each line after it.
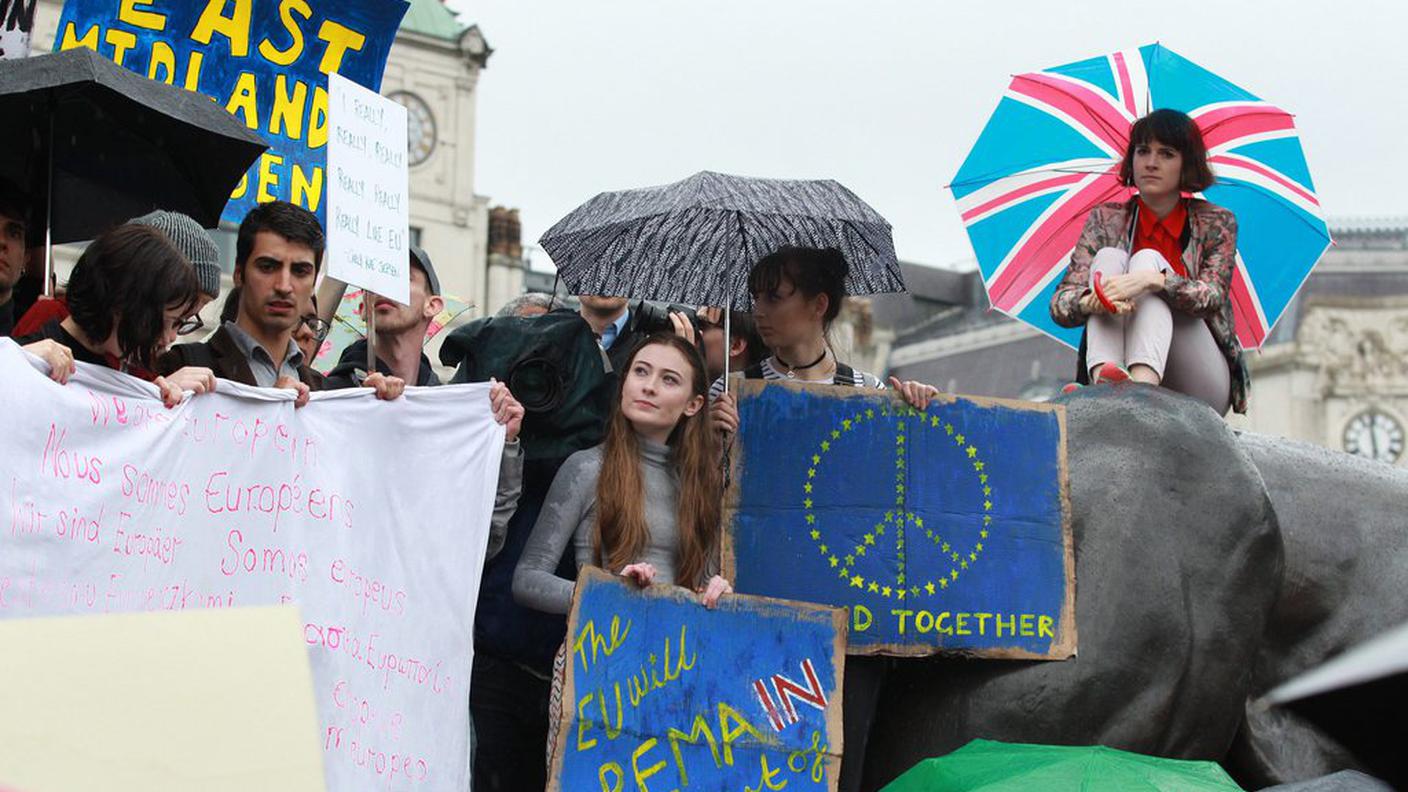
x,y
1151,277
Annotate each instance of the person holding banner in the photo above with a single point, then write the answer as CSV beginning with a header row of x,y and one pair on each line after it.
x,y
130,294
797,294
647,502
400,337
278,252
13,253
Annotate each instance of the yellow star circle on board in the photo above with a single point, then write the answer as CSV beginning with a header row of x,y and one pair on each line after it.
x,y
900,518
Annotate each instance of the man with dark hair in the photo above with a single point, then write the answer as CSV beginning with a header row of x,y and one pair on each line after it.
x,y
13,252
277,255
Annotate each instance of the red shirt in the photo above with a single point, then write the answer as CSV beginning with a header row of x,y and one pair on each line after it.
x,y
1162,235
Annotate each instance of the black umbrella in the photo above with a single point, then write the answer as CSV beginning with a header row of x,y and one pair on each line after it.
x,y
1359,698
694,241
95,144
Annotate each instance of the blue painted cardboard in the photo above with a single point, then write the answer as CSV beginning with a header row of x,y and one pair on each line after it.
x,y
266,61
662,693
946,530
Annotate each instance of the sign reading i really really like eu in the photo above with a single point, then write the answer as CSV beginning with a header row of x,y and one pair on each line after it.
x,y
265,61
662,693
941,530
368,191
372,518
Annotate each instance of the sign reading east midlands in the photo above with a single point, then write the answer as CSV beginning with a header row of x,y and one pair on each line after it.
x,y
265,61
368,192
662,693
941,530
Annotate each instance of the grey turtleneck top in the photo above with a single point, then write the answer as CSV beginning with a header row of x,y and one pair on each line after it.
x,y
569,514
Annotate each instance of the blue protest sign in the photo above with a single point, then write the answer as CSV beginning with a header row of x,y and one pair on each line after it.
x,y
941,530
265,61
662,693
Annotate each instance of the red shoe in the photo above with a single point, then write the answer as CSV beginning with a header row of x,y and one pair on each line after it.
x,y
1111,372
1070,387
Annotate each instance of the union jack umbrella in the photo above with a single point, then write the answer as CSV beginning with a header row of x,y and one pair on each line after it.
x,y
1052,150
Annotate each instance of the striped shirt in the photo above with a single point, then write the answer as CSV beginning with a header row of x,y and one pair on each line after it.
x,y
859,379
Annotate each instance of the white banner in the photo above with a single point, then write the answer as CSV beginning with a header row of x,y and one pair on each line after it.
x,y
372,516
368,190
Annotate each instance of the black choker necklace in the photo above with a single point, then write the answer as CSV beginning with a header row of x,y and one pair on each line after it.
x,y
812,364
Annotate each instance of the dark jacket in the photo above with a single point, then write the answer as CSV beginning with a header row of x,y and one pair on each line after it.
x,y
354,362
631,334
223,356
345,375
53,330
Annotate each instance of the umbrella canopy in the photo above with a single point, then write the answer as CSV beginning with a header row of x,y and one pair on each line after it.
x,y
998,767
694,241
122,145
1358,699
1052,151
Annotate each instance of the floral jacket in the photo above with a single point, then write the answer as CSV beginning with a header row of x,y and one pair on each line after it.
x,y
1210,258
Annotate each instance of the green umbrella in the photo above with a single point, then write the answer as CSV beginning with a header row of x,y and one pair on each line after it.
x,y
987,766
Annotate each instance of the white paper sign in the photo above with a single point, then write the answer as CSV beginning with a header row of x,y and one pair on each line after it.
x,y
368,212
372,516
16,23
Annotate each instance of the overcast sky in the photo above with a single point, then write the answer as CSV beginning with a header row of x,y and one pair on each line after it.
x,y
887,96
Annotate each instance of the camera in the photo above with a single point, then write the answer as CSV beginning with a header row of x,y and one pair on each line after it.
x,y
655,318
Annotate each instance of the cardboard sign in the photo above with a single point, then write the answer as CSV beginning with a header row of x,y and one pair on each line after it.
x,y
215,700
368,191
372,516
942,530
263,60
662,693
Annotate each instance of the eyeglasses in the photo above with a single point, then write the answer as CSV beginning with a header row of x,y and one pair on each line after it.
x,y
319,327
189,325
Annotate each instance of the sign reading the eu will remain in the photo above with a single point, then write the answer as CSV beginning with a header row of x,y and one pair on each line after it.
x,y
662,693
941,530
265,61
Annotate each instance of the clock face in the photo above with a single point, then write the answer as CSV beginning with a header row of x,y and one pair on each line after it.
x,y
1374,435
420,123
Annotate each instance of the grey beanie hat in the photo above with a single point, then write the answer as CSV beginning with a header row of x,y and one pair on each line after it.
x,y
194,243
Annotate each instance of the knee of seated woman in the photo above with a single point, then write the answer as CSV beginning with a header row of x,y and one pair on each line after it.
x,y
1148,260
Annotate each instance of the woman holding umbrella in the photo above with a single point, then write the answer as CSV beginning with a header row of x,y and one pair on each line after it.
x,y
1151,277
797,294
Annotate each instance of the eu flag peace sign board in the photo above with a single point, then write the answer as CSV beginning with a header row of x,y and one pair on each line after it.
x,y
941,530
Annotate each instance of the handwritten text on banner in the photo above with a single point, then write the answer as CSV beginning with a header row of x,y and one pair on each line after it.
x,y
664,693
368,191
371,516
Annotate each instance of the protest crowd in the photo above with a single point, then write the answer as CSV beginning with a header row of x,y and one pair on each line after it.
x,y
641,488
679,423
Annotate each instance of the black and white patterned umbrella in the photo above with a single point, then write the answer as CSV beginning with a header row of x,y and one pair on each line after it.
x,y
695,241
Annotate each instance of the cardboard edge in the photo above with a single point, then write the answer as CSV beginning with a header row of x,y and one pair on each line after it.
x,y
1068,644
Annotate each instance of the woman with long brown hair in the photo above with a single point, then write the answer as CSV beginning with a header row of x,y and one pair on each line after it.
x,y
647,502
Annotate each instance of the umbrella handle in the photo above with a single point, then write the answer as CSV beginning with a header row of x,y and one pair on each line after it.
x,y
1100,294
